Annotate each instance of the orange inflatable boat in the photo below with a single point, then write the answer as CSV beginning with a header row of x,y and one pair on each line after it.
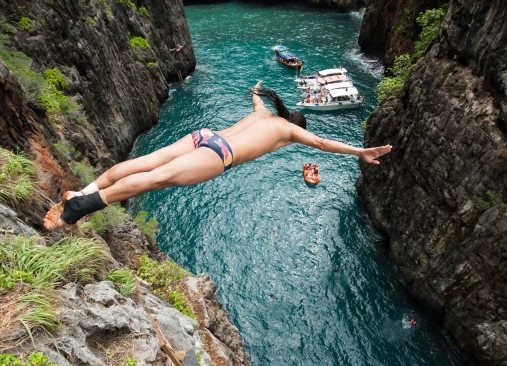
x,y
311,173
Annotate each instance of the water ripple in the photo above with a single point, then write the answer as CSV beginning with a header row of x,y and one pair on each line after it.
x,y
298,268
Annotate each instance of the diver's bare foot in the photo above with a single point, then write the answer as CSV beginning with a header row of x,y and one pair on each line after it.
x,y
52,219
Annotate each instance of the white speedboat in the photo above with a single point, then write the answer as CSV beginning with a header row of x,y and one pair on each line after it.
x,y
333,99
325,88
322,77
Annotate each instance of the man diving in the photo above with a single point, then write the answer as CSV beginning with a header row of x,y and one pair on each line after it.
x,y
201,156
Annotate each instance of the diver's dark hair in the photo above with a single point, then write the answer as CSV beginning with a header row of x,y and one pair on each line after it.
x,y
294,117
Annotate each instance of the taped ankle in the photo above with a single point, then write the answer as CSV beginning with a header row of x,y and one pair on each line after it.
x,y
80,206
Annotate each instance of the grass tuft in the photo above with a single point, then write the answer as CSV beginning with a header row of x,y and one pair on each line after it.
x,y
17,177
124,280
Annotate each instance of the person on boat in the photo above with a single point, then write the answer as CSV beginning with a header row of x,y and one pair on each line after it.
x,y
201,156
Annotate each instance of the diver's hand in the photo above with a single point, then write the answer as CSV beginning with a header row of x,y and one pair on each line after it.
x,y
258,85
370,155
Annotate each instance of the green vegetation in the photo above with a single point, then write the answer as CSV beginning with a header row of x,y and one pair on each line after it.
x,y
91,21
51,93
55,77
492,199
107,7
35,359
148,227
130,3
139,42
29,272
69,152
124,280
45,88
128,361
17,177
395,82
164,277
84,172
144,12
151,64
103,220
430,22
26,24
6,27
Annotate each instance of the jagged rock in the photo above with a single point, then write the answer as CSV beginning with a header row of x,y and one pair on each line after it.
x,y
12,225
222,338
100,326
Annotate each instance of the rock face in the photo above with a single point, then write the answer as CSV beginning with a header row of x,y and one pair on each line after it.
x,y
120,86
440,196
389,27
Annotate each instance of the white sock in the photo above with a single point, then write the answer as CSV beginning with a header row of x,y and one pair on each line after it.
x,y
90,188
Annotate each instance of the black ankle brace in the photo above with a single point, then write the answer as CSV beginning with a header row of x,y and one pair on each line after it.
x,y
80,206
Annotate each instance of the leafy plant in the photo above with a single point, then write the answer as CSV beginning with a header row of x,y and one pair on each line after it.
x,y
103,220
6,27
84,172
55,77
394,83
35,359
26,24
91,21
17,177
148,227
139,42
430,22
180,303
124,279
144,12
163,277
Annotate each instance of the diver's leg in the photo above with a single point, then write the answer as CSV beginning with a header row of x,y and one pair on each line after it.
x,y
145,163
197,166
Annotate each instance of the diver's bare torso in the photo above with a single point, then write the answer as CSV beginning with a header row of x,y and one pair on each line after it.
x,y
258,133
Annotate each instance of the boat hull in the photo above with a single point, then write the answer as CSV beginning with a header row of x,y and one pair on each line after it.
x,y
291,65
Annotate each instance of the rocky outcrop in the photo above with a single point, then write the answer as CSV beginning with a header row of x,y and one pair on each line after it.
x,y
389,27
441,195
223,344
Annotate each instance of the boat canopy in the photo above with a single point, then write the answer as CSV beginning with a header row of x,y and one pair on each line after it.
x,y
343,92
331,79
343,84
286,55
328,72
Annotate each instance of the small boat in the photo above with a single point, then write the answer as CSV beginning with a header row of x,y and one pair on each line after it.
x,y
321,78
287,58
311,173
333,97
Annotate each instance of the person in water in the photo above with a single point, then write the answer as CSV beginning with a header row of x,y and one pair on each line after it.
x,y
201,156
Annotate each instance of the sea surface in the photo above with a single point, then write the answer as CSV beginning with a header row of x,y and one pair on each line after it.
x,y
306,278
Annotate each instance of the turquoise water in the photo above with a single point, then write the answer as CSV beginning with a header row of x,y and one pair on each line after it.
x,y
302,272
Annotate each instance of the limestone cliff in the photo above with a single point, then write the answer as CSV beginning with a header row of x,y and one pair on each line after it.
x,y
389,27
441,195
79,80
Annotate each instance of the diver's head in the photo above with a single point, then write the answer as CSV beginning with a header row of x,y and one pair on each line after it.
x,y
298,119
